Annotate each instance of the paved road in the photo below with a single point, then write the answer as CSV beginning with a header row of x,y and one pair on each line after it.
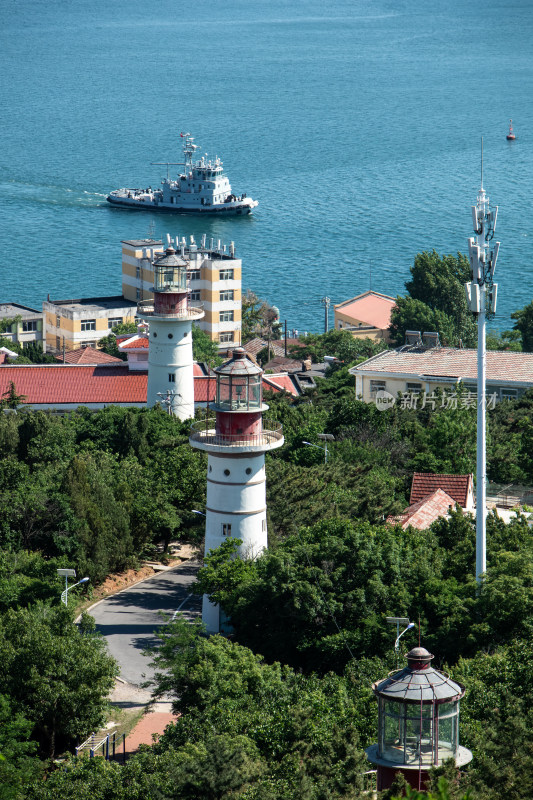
x,y
128,619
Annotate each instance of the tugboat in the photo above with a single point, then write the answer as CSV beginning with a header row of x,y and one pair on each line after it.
x,y
201,189
510,136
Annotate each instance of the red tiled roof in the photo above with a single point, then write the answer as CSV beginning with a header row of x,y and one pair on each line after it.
x,y
502,365
422,514
88,355
80,384
279,383
426,483
135,342
60,384
371,307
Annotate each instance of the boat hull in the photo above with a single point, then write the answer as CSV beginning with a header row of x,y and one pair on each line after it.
x,y
237,210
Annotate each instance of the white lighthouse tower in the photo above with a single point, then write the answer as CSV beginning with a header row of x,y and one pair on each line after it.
x,y
170,361
236,441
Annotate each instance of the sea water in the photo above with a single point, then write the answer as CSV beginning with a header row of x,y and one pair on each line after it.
x,y
357,125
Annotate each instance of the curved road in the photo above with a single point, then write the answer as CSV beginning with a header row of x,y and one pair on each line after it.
x,y
129,618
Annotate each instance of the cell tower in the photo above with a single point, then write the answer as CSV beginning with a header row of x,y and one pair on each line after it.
x,y
170,360
236,441
481,295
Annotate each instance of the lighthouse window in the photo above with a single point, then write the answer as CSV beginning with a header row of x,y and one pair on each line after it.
x,y
264,525
170,335
248,470
171,377
226,472
226,316
227,294
226,529
154,334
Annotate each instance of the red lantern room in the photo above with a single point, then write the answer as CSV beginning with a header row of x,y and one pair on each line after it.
x,y
418,722
239,398
170,284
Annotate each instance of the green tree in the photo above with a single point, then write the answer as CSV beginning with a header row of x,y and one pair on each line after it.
x,y
10,398
55,674
18,765
203,348
436,301
524,326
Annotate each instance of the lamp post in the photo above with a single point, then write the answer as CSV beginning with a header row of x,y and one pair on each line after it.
x,y
69,573
481,299
327,437
399,621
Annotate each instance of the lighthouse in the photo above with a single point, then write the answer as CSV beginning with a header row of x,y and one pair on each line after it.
x,y
236,441
418,722
170,316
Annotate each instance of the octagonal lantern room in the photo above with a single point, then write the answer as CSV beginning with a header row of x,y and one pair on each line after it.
x,y
170,283
239,395
418,722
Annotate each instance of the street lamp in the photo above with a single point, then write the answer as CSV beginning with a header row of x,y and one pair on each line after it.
x,y
327,437
399,621
69,573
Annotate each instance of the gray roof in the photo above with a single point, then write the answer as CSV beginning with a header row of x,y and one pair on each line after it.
x,y
419,682
170,259
240,364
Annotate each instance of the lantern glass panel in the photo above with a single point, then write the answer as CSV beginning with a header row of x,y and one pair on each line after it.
x,y
223,391
448,730
419,735
170,279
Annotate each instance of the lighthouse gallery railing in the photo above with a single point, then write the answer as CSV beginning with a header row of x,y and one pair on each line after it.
x,y
205,431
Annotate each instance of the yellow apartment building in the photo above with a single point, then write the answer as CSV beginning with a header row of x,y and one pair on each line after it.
x,y
81,323
215,280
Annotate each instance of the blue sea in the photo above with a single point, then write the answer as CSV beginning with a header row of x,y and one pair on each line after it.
x,y
356,124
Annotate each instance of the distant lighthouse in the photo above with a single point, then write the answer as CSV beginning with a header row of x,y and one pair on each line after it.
x,y
170,359
236,441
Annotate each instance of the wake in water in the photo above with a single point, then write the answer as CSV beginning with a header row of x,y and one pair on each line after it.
x,y
49,194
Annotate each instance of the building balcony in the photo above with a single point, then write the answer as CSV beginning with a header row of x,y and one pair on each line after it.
x,y
146,309
203,436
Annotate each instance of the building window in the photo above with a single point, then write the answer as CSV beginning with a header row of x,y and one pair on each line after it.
x,y
377,386
194,274
508,394
195,295
226,337
171,377
114,321
138,271
137,294
88,325
29,325
414,388
88,344
226,529
58,321
227,294
226,316
226,275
